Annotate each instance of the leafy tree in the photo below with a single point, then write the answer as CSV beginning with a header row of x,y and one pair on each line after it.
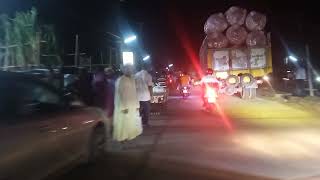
x,y
21,38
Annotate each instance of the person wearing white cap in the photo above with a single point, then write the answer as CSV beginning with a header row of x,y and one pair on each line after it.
x,y
126,119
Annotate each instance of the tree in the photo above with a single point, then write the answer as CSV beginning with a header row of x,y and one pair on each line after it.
x,y
21,37
50,48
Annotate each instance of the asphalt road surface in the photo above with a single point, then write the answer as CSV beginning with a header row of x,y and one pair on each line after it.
x,y
242,140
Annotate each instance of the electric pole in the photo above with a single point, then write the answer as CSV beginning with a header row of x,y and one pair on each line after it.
x,y
76,51
309,70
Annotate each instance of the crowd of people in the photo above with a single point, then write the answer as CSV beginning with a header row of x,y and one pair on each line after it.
x,y
125,98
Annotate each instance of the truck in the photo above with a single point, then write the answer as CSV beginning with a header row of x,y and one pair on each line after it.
x,y
240,69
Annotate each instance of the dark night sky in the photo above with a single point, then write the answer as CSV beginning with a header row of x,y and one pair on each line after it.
x,y
164,21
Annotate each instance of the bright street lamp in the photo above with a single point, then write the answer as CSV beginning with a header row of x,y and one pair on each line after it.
x,y
318,79
146,58
292,58
130,39
170,65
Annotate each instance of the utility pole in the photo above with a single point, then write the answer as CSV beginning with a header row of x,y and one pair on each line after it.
x,y
90,64
37,49
110,56
309,70
76,51
101,57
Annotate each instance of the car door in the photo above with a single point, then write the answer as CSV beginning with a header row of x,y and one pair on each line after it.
x,y
81,120
29,139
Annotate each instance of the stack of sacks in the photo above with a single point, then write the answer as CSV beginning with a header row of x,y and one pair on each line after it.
x,y
256,38
256,21
220,35
236,35
215,23
217,40
236,15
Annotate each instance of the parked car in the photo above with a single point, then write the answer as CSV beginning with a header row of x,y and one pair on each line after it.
x,y
43,130
160,93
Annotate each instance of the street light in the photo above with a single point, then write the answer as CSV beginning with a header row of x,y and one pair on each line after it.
x,y
130,39
170,65
146,58
292,58
318,79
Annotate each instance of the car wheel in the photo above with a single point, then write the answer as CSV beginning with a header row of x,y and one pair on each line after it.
x,y
247,79
97,144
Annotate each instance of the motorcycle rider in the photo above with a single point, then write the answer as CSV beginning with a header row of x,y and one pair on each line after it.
x,y
184,81
208,80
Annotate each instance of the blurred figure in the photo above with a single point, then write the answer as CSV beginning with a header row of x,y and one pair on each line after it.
x,y
184,81
208,80
83,85
126,120
110,80
301,76
99,89
144,91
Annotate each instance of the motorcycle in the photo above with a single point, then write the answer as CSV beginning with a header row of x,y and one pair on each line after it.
x,y
185,92
211,96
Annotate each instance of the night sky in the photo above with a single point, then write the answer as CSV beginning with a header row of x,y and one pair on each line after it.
x,y
163,26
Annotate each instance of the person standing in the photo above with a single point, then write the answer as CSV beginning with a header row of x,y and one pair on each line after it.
x,y
144,89
300,80
99,88
110,80
126,120
84,87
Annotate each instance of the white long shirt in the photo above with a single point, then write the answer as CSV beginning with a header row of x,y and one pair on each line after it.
x,y
143,82
126,126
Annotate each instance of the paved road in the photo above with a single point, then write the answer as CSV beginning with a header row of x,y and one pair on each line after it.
x,y
187,143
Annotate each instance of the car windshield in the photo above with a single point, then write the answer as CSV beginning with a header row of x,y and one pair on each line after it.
x,y
159,89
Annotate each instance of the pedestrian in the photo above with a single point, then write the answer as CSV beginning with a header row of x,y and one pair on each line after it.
x,y
83,85
99,87
144,89
110,80
300,79
126,120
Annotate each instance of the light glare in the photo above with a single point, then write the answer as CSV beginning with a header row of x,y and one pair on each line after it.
x,y
292,58
146,58
130,39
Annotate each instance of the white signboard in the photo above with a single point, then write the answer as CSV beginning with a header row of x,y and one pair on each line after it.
x,y
221,60
239,59
127,58
258,58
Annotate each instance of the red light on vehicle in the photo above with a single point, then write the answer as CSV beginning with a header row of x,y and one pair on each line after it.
x,y
170,80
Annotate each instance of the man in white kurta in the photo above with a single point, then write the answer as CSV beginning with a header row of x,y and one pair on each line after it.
x,y
126,119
